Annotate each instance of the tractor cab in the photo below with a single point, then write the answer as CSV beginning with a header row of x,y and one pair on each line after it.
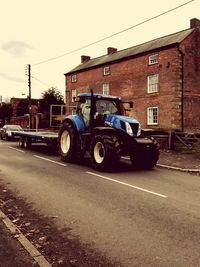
x,y
93,108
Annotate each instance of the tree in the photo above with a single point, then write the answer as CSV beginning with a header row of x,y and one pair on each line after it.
x,y
50,97
5,111
22,107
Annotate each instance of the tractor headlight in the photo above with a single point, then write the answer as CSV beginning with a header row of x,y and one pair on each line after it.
x,y
139,130
129,129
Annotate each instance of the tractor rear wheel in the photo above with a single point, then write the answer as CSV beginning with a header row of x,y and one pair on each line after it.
x,y
105,152
67,143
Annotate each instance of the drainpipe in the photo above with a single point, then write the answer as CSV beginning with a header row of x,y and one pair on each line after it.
x,y
182,88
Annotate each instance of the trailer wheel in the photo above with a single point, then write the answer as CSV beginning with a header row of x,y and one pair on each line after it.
x,y
27,142
67,143
105,152
21,142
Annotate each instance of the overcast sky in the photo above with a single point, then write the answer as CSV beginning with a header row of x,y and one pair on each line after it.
x,y
32,31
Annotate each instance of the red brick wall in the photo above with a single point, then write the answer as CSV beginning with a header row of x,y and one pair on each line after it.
x,y
128,79
23,121
191,49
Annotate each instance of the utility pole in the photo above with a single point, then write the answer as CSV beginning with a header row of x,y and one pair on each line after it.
x,y
29,96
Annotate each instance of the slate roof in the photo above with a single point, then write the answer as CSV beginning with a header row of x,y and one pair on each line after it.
x,y
161,42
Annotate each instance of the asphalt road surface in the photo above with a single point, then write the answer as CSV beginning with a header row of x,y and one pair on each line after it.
x,y
137,218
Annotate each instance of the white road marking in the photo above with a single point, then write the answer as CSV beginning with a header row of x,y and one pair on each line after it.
x,y
56,162
19,150
135,187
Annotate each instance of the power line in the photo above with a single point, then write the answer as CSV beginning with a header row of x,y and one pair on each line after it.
x,y
114,34
46,84
38,80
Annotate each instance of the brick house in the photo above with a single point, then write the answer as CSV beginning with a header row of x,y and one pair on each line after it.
x,y
23,119
161,77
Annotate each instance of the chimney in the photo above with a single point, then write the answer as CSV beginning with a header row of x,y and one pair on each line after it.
x,y
111,50
84,59
194,23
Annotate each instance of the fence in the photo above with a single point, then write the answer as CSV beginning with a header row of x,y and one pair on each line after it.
x,y
174,140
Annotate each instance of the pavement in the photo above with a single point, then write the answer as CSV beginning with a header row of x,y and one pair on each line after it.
x,y
17,251
187,161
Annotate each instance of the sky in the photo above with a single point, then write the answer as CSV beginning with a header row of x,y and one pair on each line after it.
x,y
36,31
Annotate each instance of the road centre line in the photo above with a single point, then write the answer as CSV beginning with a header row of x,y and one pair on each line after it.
x,y
19,150
129,185
53,161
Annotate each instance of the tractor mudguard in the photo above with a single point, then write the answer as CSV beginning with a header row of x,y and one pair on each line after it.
x,y
77,122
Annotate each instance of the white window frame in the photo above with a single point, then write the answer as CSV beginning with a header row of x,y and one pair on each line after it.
x,y
153,83
74,94
153,59
74,78
106,88
106,70
152,116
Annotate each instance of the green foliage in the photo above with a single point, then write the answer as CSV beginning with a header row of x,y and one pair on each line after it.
x,y
50,97
5,111
22,107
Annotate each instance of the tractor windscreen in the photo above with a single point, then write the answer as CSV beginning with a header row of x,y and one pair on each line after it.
x,y
107,106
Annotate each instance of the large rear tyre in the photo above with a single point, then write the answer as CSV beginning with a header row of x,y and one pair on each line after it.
x,y
105,152
67,143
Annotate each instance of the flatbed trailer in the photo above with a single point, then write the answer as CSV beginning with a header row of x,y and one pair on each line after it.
x,y
27,138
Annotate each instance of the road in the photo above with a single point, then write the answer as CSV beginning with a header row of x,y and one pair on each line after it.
x,y
137,218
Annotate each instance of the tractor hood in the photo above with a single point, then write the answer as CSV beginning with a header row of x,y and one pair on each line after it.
x,y
126,124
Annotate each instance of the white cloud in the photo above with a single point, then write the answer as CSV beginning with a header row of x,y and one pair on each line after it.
x,y
11,78
17,48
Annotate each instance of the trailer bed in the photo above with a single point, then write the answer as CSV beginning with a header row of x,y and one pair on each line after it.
x,y
27,138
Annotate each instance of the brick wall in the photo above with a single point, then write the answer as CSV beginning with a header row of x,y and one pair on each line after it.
x,y
191,50
128,79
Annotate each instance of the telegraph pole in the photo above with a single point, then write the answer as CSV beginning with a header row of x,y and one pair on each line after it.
x,y
29,96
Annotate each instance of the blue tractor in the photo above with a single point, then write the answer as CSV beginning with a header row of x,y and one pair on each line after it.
x,y
100,128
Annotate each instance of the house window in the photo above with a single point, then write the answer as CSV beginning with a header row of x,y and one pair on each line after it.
x,y
106,70
152,83
153,59
106,89
152,115
74,78
73,95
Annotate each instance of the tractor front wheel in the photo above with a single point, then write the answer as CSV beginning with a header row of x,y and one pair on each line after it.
x,y
144,161
67,143
105,152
